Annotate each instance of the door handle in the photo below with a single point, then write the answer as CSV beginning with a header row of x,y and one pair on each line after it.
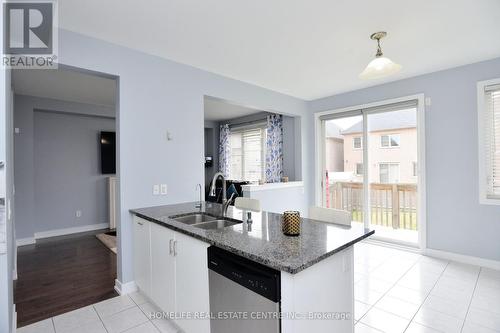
x,y
175,248
140,223
170,246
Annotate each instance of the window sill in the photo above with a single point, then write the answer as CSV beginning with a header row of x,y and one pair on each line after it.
x,y
489,201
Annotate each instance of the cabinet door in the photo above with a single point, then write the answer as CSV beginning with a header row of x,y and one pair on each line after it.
x,y
142,255
191,277
163,267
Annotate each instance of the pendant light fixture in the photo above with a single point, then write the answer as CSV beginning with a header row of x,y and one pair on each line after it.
x,y
380,66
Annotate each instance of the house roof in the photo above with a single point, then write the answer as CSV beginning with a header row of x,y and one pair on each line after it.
x,y
386,121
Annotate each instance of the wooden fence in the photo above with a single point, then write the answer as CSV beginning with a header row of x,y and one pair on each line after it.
x,y
392,205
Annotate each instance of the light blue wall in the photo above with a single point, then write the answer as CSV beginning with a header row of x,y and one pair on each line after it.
x,y
42,215
156,95
68,171
456,222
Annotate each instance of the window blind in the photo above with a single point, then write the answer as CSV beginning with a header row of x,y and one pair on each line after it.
x,y
247,154
252,154
492,140
236,157
374,109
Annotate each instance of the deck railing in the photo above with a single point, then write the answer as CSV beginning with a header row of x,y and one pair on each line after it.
x,y
392,205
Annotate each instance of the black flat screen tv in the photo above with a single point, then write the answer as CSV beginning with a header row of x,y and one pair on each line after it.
x,y
108,152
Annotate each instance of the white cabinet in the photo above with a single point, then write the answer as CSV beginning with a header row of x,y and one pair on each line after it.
x,y
171,269
191,277
325,287
142,254
163,267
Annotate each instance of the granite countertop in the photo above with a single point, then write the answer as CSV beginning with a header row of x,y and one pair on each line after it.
x,y
264,242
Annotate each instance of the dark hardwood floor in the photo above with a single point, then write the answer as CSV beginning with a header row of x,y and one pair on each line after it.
x,y
61,274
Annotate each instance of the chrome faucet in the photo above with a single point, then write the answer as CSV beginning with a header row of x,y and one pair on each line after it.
x,y
199,204
225,202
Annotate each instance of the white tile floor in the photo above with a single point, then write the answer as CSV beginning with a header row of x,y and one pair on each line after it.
x,y
395,292
128,313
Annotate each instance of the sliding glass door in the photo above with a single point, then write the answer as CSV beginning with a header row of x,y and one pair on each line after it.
x,y
343,177
370,168
393,174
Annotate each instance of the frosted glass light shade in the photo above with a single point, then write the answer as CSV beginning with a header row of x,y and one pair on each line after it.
x,y
380,67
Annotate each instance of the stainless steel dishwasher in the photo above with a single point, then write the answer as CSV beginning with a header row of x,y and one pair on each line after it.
x,y
244,295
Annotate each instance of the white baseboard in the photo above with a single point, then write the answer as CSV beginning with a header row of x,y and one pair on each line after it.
x,y
125,288
25,241
462,258
68,231
60,232
14,319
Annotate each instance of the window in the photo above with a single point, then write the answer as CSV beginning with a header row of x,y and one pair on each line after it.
x,y
236,171
247,154
489,129
389,173
389,140
359,168
357,143
415,169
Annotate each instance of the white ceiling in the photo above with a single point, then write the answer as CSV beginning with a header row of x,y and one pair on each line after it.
x,y
307,49
217,110
65,85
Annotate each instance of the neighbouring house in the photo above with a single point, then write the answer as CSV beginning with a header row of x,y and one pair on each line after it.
x,y
393,169
392,141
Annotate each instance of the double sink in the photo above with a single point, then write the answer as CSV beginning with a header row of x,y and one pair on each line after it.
x,y
205,221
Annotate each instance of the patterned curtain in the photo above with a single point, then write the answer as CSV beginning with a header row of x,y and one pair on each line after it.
x,y
274,148
224,150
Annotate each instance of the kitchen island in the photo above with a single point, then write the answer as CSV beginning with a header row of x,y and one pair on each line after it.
x,y
315,268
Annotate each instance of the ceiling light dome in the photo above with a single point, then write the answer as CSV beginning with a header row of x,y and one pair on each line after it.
x,y
380,66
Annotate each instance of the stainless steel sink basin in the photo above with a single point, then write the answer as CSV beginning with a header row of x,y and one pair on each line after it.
x,y
193,218
217,224
205,221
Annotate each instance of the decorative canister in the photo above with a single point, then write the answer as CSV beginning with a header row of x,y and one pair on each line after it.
x,y
291,223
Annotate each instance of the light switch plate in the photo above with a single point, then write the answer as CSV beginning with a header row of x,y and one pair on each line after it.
x,y
156,189
78,213
163,189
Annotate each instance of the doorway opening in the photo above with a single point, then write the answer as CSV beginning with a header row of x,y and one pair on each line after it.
x,y
65,202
